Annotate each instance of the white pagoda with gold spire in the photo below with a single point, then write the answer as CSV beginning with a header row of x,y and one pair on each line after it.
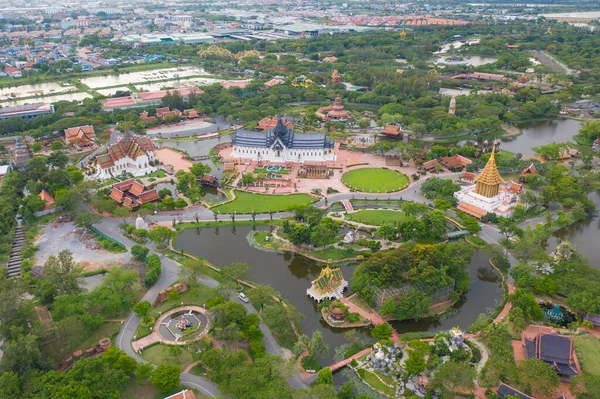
x,y
489,194
329,285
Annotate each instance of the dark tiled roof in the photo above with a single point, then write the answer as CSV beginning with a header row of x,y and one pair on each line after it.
x,y
505,390
555,348
287,136
530,348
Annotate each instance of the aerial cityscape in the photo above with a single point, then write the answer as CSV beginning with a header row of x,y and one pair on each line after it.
x,y
300,199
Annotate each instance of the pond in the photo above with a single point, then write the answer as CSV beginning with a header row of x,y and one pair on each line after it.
x,y
180,83
540,133
77,96
291,274
583,235
38,89
198,148
474,60
122,79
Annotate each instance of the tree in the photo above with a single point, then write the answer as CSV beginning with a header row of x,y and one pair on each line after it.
x,y
63,274
165,377
199,169
346,391
143,371
539,376
528,197
528,304
325,376
139,251
382,331
452,375
192,271
237,271
86,219
415,364
9,385
75,175
118,359
22,355
160,235
122,212
66,201
31,204
315,345
142,308
261,294
508,227
57,159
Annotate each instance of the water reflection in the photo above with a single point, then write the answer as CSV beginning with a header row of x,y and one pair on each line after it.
x,y
540,133
291,275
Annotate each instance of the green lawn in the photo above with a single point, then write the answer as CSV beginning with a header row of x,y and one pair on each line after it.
x,y
159,354
262,203
376,217
588,351
373,381
334,253
157,173
375,180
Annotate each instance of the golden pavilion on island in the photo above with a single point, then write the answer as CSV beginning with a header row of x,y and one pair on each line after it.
x,y
329,285
489,194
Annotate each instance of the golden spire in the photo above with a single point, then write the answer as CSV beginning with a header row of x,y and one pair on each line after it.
x,y
488,181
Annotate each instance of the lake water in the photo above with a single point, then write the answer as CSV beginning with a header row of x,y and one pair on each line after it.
x,y
40,89
291,275
181,83
475,60
583,235
79,96
540,133
122,79
198,148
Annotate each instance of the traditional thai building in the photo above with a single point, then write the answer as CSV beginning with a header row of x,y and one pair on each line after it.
x,y
333,112
269,123
131,193
392,130
329,285
282,144
336,77
490,194
130,154
83,136
556,350
530,170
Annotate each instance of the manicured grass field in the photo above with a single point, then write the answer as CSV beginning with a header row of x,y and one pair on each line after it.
x,y
373,381
588,351
262,203
159,354
375,180
376,217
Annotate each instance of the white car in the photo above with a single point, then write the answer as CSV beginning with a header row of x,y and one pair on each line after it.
x,y
244,298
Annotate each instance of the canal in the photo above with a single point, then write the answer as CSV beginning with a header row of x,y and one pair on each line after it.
x,y
291,274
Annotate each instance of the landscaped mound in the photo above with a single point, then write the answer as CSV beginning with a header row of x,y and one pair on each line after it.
x,y
376,180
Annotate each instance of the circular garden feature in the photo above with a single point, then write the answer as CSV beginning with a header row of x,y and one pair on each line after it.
x,y
375,180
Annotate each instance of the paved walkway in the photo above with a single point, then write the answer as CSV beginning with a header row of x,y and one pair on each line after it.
x,y
372,316
345,362
347,205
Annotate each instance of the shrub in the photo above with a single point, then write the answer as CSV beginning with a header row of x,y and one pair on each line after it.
x,y
153,270
353,317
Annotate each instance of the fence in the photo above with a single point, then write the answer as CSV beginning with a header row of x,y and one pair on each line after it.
x,y
105,237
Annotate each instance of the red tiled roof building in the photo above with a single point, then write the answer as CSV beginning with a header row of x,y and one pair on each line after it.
x,y
131,193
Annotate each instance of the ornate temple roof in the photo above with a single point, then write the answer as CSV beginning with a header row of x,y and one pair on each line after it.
x,y
330,284
490,176
286,135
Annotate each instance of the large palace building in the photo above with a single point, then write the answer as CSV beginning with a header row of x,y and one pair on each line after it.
x,y
282,144
489,194
130,154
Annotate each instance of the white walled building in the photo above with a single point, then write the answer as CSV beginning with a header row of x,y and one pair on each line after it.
x,y
281,144
130,154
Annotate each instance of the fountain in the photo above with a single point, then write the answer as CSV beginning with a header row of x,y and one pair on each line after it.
x,y
555,315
